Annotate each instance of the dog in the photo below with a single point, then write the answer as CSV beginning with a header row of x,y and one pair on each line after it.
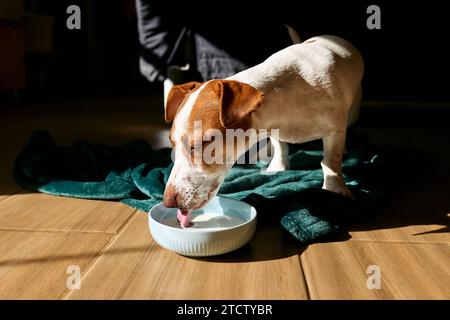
x,y
307,91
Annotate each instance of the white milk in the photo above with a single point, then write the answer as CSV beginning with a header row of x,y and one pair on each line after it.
x,y
207,220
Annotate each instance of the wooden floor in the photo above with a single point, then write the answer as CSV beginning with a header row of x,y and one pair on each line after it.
x,y
42,236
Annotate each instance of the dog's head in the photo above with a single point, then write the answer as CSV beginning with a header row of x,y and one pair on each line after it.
x,y
203,114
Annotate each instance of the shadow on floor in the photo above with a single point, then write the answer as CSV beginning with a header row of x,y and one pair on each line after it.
x,y
70,258
407,207
269,243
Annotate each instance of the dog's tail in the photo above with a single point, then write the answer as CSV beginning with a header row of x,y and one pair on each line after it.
x,y
293,34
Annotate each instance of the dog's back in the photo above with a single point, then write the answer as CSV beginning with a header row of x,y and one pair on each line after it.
x,y
325,62
317,83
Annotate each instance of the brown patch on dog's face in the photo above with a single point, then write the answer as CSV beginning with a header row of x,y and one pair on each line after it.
x,y
206,111
177,101
221,105
177,95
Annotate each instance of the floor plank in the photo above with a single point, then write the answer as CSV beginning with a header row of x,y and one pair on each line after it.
x,y
7,189
143,270
408,271
37,211
33,265
410,218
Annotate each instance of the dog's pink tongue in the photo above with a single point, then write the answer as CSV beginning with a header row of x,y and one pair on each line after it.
x,y
183,217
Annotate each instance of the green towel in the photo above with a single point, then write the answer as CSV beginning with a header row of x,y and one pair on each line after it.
x,y
135,174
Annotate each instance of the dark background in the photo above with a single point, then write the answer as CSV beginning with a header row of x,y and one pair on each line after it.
x,y
407,60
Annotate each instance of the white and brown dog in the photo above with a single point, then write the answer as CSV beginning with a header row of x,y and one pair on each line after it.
x,y
308,91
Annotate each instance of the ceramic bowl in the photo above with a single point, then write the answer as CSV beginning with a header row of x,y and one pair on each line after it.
x,y
221,226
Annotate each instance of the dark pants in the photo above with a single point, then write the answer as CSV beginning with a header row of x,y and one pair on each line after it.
x,y
216,44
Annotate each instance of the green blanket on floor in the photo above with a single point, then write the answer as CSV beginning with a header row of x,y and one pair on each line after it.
x,y
135,174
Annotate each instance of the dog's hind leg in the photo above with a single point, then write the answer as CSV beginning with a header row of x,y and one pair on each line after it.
x,y
280,159
333,148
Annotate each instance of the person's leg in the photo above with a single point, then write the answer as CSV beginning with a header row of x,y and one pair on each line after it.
x,y
159,36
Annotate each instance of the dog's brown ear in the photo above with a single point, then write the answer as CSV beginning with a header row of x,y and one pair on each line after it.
x,y
176,96
237,101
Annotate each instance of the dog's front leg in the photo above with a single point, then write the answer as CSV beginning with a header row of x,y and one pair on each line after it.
x,y
280,159
333,148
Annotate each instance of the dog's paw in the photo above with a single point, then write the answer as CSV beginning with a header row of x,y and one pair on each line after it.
x,y
337,185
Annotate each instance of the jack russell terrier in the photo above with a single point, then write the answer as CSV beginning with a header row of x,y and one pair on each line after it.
x,y
307,91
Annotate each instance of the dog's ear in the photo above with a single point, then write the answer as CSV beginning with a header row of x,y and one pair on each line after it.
x,y
176,96
237,101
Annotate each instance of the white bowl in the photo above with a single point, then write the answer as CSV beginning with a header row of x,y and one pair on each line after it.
x,y
221,226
